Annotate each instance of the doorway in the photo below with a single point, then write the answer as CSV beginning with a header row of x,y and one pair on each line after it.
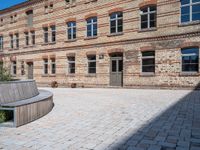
x,y
116,70
30,70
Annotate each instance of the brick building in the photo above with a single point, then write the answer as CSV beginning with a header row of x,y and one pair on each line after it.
x,y
102,43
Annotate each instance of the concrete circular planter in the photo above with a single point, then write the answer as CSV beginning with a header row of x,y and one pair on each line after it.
x,y
27,102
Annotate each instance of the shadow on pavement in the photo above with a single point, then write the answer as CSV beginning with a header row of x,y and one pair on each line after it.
x,y
178,128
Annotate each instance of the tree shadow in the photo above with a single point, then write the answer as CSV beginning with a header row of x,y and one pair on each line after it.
x,y
178,128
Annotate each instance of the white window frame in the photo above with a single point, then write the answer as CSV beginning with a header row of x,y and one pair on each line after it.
x,y
1,43
190,5
73,29
53,30
53,62
13,64
147,57
71,62
148,13
92,26
45,62
116,21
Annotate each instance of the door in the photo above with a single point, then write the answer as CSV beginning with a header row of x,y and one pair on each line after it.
x,y
30,70
116,71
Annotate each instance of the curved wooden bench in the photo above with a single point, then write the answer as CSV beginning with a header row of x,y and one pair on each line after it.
x,y
33,103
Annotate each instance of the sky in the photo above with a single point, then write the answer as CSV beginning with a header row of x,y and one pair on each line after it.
x,y
7,3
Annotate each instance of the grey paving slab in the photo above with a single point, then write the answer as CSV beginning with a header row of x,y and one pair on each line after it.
x,y
112,119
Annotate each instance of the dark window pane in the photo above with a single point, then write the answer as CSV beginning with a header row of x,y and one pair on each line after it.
x,y
150,53
144,25
120,28
152,8
144,18
185,10
153,16
190,67
183,2
152,24
185,18
196,8
113,23
148,61
195,1
114,66
120,66
145,9
190,50
148,68
196,16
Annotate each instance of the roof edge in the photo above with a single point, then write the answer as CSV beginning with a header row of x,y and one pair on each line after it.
x,y
17,6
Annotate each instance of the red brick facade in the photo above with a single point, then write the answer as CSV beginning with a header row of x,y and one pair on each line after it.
x,y
167,40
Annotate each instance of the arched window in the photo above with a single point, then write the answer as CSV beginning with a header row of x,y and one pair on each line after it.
x,y
116,22
190,10
148,17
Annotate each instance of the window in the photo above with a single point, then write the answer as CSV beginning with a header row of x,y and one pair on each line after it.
x,y
190,10
45,29
92,27
1,43
26,38
29,18
190,59
11,41
116,22
71,65
148,17
51,8
53,66
70,1
148,62
71,30
33,37
53,33
11,19
1,22
46,9
14,68
92,64
17,40
22,68
45,66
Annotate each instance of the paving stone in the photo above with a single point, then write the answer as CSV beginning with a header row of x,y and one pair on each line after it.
x,y
112,119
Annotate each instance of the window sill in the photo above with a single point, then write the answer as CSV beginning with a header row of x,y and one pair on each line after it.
x,y
30,46
91,38
52,43
70,5
16,49
52,75
189,23
115,34
91,75
147,30
150,74
72,40
70,75
45,75
44,44
184,74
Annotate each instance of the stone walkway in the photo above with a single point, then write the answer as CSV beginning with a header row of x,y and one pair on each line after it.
x,y
113,119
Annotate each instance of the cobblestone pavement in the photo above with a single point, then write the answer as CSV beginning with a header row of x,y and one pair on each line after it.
x,y
112,119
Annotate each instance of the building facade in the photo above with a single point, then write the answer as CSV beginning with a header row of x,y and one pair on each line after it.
x,y
103,43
